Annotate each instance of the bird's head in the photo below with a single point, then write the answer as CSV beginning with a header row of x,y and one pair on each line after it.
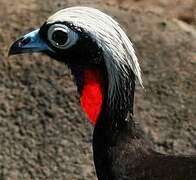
x,y
68,36
87,38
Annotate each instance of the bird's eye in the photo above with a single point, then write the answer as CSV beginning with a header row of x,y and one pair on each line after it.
x,y
62,37
59,37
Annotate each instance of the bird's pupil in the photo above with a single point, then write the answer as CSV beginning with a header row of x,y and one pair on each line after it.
x,y
59,37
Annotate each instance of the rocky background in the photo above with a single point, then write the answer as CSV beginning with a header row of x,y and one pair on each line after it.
x,y
43,132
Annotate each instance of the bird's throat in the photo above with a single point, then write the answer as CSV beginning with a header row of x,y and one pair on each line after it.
x,y
91,97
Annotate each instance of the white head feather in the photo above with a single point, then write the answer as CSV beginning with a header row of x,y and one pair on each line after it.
x,y
117,48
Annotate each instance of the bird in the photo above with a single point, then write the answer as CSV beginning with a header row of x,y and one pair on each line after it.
x,y
106,70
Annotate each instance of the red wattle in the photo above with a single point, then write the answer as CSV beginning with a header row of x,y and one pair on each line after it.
x,y
92,94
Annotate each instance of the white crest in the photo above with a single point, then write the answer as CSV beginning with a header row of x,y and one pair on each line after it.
x,y
117,48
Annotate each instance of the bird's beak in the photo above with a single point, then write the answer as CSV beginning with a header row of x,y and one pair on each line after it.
x,y
29,43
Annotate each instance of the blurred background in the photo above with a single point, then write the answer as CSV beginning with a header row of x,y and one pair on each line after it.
x,y
43,132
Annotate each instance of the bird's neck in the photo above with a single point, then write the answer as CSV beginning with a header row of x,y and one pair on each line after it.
x,y
95,99
114,125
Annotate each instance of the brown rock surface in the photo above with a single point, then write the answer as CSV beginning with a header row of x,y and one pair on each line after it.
x,y
44,134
